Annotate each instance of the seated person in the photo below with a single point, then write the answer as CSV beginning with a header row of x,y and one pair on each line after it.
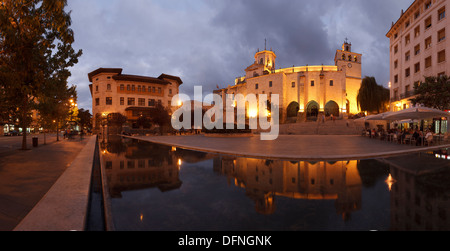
x,y
417,135
429,137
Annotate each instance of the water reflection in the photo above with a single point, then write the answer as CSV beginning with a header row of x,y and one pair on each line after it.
x,y
264,180
420,197
417,187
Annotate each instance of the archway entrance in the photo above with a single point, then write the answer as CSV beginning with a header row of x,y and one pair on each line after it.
x,y
292,109
312,110
332,108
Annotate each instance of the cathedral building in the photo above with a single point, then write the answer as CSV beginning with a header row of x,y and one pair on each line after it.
x,y
305,92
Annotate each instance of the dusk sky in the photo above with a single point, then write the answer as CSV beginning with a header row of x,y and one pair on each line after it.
x,y
211,42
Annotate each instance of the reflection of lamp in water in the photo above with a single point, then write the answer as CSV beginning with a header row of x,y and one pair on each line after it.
x,y
390,181
179,163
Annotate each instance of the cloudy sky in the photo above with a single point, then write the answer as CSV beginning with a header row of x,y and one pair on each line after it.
x,y
211,42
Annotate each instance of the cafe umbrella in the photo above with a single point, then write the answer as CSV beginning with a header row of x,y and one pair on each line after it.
x,y
419,113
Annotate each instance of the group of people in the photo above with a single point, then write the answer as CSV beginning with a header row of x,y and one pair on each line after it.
x,y
401,135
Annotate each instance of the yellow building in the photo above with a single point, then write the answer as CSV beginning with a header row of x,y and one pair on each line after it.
x,y
305,91
129,95
418,48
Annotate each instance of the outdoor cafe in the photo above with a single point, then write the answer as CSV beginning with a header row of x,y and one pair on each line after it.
x,y
416,125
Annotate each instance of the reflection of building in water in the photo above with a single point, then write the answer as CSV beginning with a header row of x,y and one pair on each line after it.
x,y
263,180
420,197
139,167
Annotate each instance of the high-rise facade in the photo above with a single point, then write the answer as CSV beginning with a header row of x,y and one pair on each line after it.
x,y
418,48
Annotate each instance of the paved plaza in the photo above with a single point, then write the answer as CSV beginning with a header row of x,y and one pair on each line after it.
x,y
293,147
27,175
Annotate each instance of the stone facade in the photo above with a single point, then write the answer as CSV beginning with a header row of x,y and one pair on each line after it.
x,y
129,95
305,91
418,48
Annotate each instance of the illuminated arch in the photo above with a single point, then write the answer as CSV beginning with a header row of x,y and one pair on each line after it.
x,y
332,108
293,109
312,109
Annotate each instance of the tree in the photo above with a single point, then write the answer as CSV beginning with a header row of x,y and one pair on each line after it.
x,y
35,51
372,97
160,116
433,93
85,118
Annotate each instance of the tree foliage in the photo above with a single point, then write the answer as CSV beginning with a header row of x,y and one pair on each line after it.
x,y
35,54
372,97
433,93
85,118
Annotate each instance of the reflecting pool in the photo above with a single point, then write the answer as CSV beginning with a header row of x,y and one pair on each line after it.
x,y
160,188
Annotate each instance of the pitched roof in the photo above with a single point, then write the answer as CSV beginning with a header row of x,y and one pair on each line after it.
x,y
126,77
104,70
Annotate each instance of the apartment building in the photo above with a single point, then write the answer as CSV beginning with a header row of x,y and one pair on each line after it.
x,y
418,48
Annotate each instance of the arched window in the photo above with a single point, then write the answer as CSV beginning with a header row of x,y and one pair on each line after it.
x,y
356,59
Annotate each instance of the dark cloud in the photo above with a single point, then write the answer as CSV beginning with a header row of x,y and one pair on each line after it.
x,y
210,42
